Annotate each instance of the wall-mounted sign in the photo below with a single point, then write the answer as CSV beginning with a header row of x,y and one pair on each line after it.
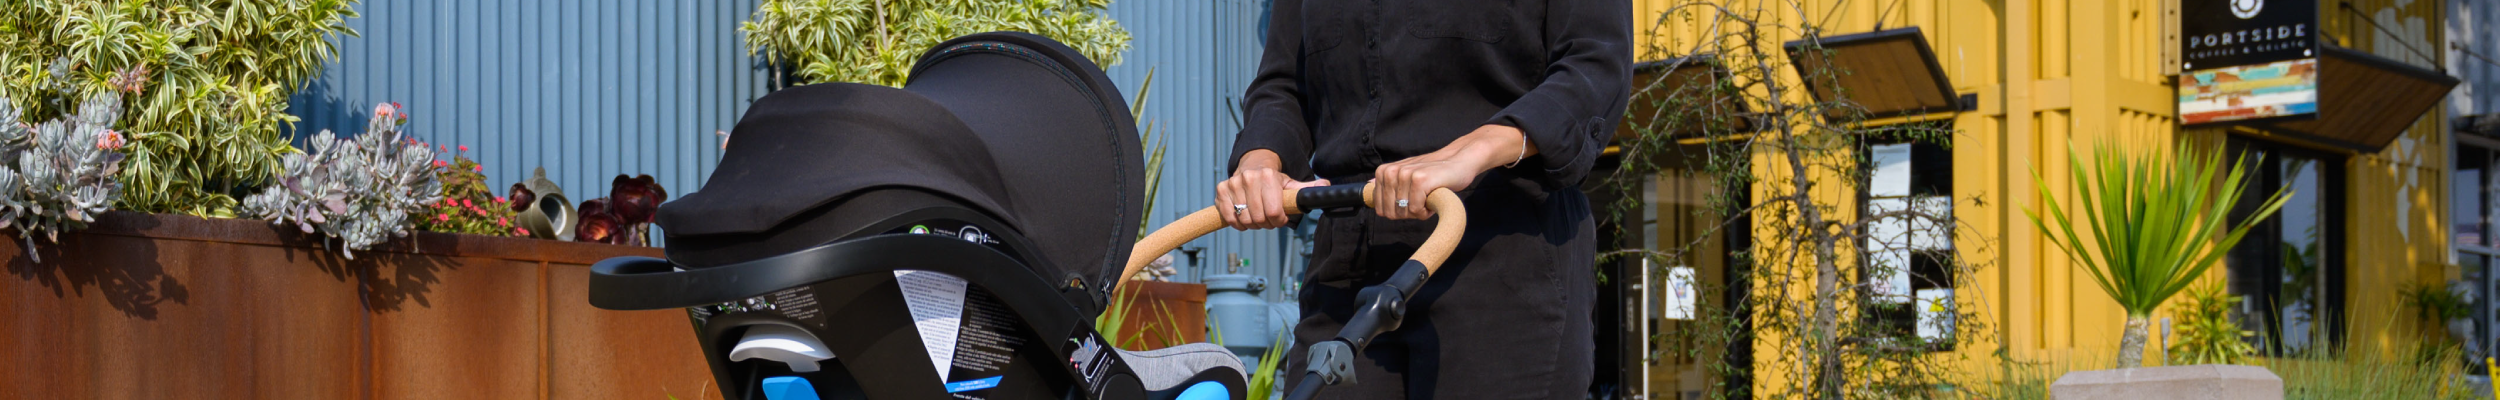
x,y
2247,60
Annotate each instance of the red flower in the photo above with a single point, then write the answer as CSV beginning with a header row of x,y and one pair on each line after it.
x,y
477,168
521,231
500,199
464,147
466,203
442,217
440,163
111,140
503,221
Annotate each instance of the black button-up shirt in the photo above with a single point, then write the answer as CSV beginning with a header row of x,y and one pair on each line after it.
x,y
1347,85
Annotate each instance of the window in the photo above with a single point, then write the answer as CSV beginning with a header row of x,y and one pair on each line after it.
x,y
2289,269
1908,257
2471,186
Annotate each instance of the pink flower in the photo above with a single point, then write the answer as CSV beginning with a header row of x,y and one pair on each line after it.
x,y
478,168
442,217
522,231
502,221
464,147
440,164
111,140
385,110
466,203
500,199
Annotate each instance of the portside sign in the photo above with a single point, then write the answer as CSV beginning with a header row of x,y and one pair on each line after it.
x,y
2247,60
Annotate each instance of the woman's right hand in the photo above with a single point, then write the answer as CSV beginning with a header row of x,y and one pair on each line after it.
x,y
1254,197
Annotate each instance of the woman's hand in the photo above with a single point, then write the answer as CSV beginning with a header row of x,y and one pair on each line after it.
x,y
1454,167
1254,197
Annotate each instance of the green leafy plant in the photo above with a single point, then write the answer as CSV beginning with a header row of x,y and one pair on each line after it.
x,y
208,106
59,175
1264,378
2207,335
2152,220
876,41
359,191
466,206
1155,331
2435,303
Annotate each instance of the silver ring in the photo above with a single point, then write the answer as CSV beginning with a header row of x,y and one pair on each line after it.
x,y
1238,208
1401,203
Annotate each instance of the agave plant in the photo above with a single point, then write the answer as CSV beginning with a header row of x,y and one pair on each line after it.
x,y
58,175
359,191
2153,221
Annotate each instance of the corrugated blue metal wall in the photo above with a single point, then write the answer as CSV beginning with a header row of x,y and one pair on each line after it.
x,y
1202,53
587,88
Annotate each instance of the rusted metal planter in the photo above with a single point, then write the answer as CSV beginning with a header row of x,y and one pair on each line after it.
x,y
1161,311
147,306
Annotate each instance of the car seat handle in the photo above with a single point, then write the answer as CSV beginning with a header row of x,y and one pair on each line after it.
x,y
1445,205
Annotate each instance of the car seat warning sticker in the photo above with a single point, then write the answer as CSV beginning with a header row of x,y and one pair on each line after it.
x,y
987,343
937,306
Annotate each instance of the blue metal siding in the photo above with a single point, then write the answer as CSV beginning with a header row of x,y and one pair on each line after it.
x,y
588,89
1202,54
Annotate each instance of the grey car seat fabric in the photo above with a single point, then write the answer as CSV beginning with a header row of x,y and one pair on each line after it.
x,y
1164,368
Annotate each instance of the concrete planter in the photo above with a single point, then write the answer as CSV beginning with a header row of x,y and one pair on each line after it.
x,y
2217,382
151,306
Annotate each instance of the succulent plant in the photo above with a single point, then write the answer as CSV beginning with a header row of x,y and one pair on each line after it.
x,y
59,175
625,215
359,191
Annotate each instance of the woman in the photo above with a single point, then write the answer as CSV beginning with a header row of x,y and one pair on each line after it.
x,y
1507,102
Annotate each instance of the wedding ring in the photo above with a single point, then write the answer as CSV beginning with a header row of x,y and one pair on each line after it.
x,y
1239,208
1401,203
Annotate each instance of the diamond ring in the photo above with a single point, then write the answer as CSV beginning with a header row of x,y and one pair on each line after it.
x,y
1238,208
1401,203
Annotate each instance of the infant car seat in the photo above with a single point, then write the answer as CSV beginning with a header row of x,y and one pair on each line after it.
x,y
954,238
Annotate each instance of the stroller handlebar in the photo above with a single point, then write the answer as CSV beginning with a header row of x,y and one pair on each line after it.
x,y
1444,204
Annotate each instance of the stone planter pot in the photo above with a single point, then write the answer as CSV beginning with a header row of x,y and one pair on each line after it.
x,y
162,306
2209,381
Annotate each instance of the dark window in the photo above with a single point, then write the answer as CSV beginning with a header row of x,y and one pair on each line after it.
x,y
2471,188
2289,269
1908,257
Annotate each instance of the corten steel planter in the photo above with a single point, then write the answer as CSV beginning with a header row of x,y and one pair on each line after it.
x,y
147,306
1162,309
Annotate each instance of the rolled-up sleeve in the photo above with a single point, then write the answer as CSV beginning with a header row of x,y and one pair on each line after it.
x,y
1272,109
1573,112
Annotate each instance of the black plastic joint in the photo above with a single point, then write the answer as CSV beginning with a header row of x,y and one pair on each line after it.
x,y
1332,362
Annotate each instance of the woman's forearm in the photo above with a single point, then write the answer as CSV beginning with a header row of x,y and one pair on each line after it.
x,y
1490,146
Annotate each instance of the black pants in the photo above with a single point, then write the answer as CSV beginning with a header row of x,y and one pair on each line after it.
x,y
1506,318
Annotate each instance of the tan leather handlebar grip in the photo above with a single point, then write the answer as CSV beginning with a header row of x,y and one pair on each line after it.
x,y
1436,249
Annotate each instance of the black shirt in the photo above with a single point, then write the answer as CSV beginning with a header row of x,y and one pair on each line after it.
x,y
1348,85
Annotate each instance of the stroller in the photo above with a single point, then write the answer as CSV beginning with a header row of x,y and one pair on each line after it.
x,y
952,239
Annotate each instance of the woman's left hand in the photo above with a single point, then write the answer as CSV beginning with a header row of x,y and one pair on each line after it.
x,y
1454,167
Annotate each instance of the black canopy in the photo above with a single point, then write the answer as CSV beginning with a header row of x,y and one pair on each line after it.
x,y
1009,124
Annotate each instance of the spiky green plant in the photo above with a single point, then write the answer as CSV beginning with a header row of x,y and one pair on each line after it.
x,y
209,106
2207,335
2156,223
876,41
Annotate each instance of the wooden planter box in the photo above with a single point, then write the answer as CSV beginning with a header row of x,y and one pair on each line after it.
x,y
144,306
1162,310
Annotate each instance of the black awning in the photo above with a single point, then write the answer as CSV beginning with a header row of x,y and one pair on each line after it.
x,y
2365,101
1886,73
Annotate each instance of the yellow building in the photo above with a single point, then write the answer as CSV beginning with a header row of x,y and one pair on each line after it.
x,y
2028,79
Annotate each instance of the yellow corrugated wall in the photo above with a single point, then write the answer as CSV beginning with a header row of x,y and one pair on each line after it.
x,y
2053,72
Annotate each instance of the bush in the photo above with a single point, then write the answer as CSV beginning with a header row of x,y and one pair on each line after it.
x,y
876,41
466,205
58,175
209,100
359,191
2207,334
